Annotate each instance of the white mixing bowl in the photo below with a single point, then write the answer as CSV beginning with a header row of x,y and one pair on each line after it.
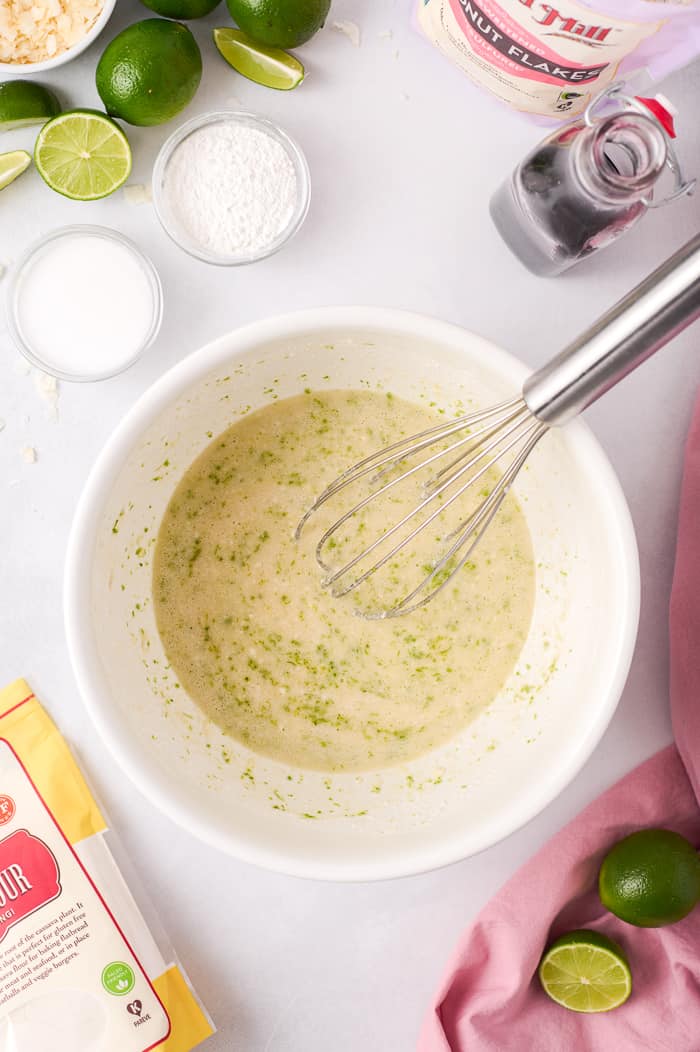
x,y
445,806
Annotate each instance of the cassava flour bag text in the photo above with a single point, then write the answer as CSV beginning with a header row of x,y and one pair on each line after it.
x,y
550,59
80,970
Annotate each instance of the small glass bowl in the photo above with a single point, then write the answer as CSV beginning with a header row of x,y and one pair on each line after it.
x,y
14,293
169,221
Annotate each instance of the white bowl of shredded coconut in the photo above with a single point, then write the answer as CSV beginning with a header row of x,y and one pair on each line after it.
x,y
231,188
38,35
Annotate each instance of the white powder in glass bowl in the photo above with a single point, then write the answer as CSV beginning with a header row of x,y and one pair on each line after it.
x,y
232,188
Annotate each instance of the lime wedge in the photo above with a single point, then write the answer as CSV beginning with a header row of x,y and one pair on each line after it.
x,y
12,165
83,155
586,972
265,65
23,102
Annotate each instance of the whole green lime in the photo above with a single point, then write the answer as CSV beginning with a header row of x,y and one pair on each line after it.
x,y
650,878
279,23
149,72
182,8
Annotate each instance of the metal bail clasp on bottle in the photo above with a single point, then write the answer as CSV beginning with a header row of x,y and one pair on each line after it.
x,y
589,182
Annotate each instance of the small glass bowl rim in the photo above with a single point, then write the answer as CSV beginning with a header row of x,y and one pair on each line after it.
x,y
25,261
295,153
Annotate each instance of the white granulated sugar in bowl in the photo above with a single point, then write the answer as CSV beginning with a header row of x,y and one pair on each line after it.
x,y
231,188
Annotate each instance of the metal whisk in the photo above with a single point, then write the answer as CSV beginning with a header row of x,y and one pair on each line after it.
x,y
473,446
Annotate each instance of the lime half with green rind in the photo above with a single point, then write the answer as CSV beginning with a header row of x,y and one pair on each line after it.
x,y
586,971
83,155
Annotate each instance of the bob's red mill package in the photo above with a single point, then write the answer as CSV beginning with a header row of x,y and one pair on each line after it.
x,y
551,59
80,970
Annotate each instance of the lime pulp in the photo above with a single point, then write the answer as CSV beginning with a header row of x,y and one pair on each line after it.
x,y
586,972
13,164
83,155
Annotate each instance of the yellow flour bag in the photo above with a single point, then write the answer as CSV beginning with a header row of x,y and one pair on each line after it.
x,y
79,967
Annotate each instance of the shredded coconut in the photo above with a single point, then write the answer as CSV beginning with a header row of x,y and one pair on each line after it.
x,y
350,29
29,454
231,188
36,30
47,389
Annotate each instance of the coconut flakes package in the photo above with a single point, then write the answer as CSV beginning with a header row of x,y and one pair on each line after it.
x,y
549,60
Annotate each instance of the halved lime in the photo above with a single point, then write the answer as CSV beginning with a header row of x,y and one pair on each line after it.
x,y
83,155
265,65
586,972
24,102
13,164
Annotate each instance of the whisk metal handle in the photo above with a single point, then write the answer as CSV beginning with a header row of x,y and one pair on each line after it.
x,y
632,330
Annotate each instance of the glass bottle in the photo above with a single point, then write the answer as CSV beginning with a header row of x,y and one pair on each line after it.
x,y
587,183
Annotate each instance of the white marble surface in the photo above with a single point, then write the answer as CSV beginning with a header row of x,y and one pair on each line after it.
x,y
404,155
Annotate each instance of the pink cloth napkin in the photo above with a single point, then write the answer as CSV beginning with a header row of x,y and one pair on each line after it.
x,y
490,998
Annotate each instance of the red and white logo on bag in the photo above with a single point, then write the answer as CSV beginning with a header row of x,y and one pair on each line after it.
x,y
7,809
29,878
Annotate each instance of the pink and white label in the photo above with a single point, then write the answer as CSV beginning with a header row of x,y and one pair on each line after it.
x,y
511,47
29,878
540,58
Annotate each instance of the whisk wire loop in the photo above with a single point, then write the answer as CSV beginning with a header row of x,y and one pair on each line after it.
x,y
332,579
473,528
480,440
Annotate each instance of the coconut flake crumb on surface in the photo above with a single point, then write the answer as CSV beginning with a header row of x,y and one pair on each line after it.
x,y
2,424
349,29
36,30
3,271
386,34
47,389
137,194
29,454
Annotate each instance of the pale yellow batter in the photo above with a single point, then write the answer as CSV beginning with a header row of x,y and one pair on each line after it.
x,y
268,654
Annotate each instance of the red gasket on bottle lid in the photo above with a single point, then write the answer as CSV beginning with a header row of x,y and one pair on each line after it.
x,y
663,110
